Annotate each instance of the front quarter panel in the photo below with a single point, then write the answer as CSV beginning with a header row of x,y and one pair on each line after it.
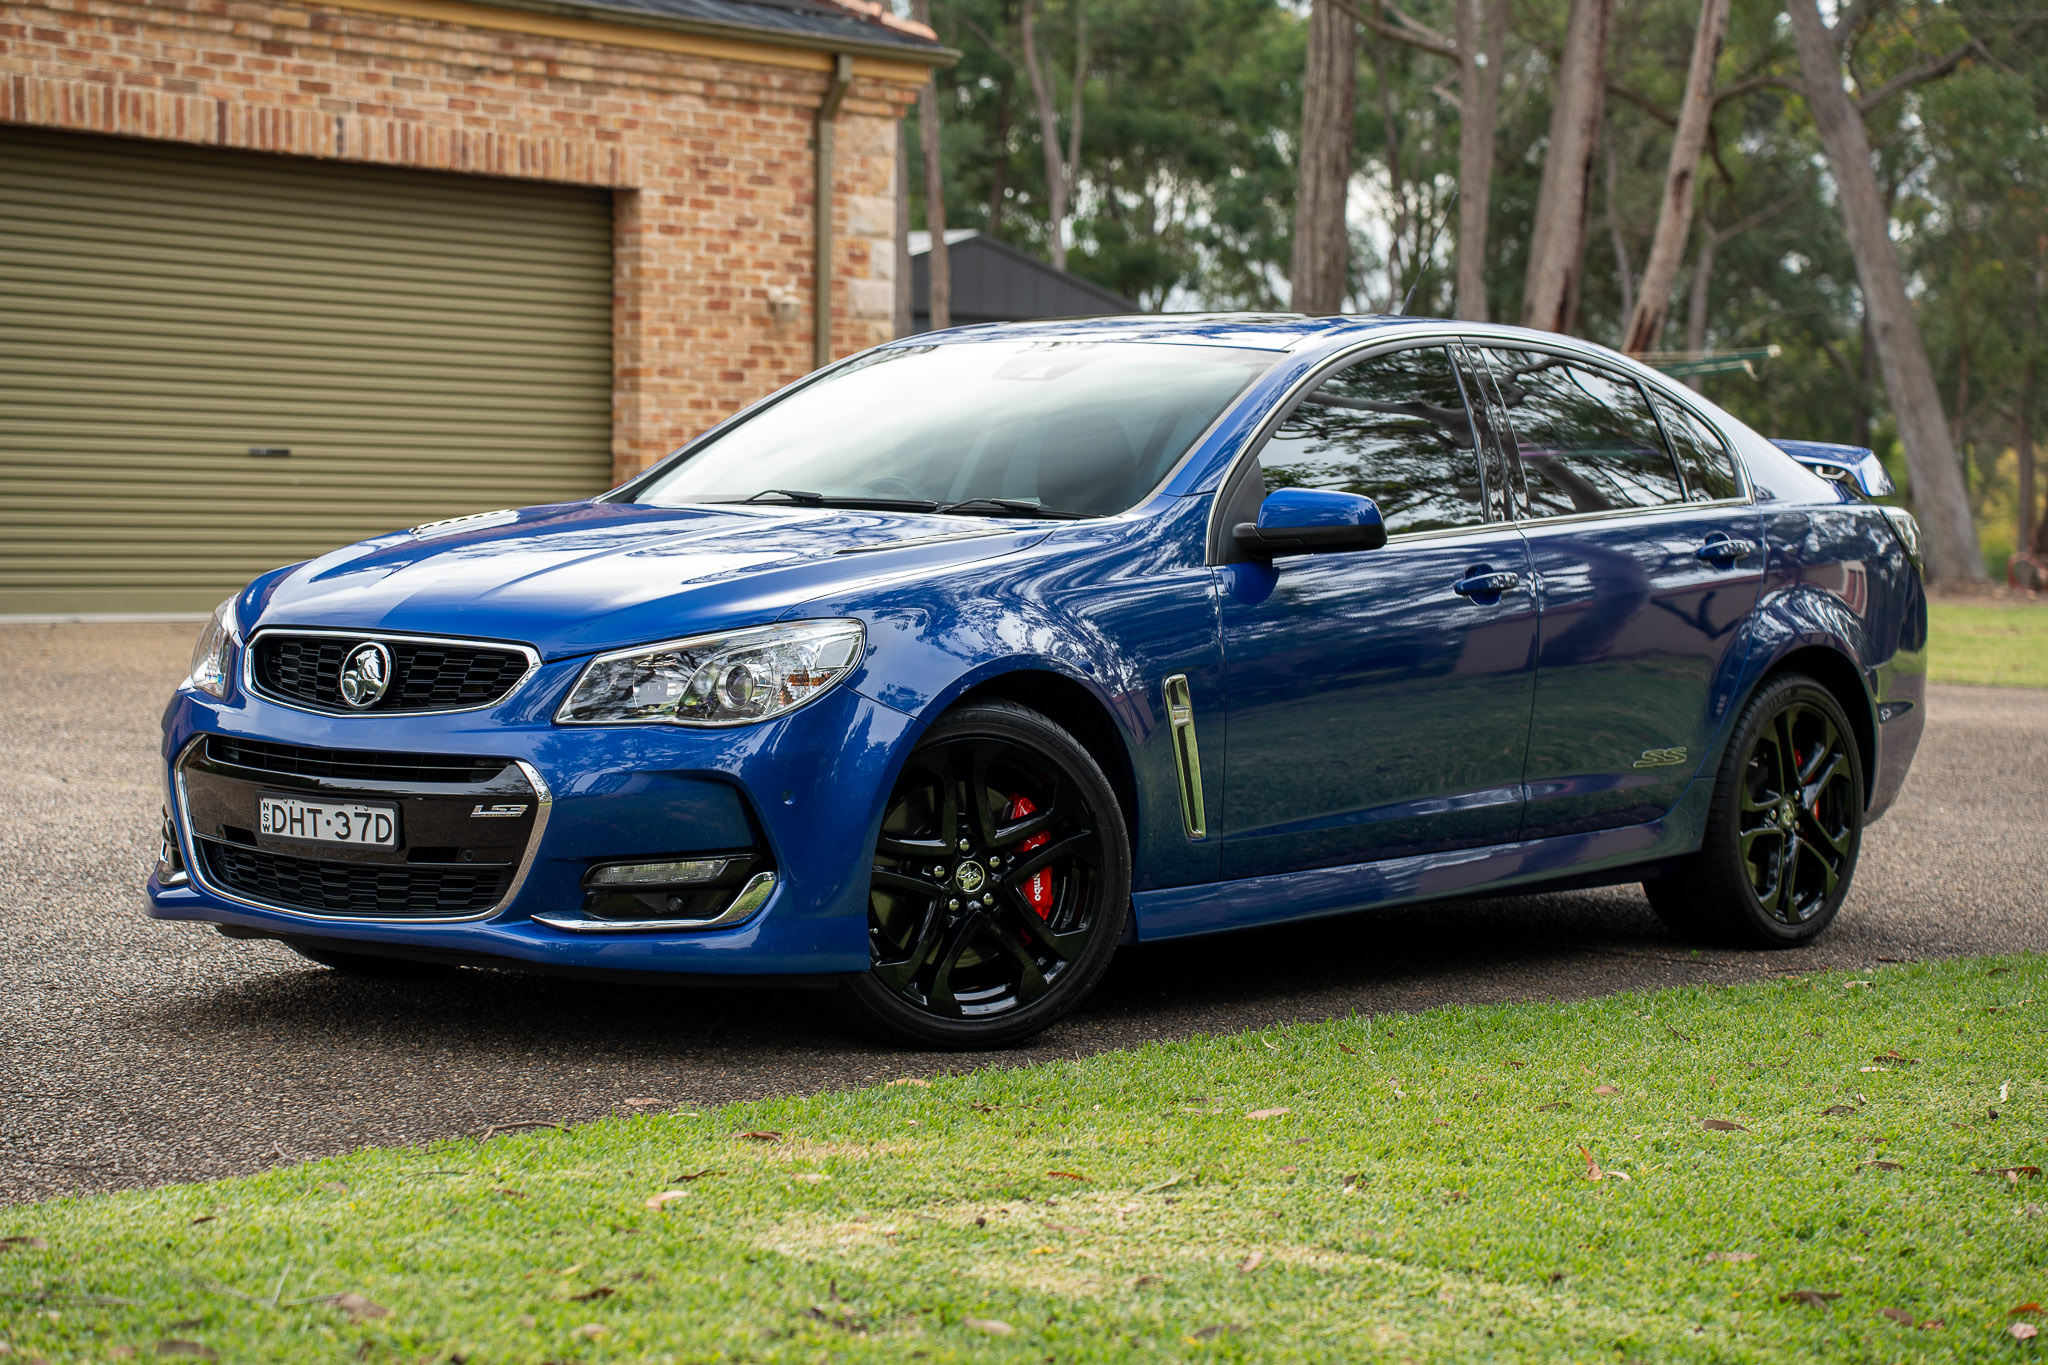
x,y
1115,607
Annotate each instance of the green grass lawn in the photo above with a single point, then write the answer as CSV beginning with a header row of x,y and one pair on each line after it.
x,y
1987,644
1827,1168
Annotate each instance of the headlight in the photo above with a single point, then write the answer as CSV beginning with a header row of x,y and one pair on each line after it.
x,y
731,679
213,651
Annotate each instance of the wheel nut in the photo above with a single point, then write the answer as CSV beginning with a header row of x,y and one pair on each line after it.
x,y
953,904
964,845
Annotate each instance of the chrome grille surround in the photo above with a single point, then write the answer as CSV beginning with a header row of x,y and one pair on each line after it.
x,y
195,868
399,643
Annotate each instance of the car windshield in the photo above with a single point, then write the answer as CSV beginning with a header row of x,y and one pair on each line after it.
x,y
993,428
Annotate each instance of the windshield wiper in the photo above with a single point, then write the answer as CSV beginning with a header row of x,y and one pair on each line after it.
x,y
805,498
1011,507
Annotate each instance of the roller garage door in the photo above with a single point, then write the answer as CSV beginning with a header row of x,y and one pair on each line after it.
x,y
174,319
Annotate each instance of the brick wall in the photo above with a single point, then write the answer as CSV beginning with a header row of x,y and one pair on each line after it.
x,y
708,152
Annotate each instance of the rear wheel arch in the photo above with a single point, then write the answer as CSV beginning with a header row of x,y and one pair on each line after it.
x,y
1837,673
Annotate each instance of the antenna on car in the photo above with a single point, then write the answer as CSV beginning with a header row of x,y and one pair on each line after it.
x,y
1428,252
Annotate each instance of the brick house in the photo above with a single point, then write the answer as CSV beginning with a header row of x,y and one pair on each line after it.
x,y
275,274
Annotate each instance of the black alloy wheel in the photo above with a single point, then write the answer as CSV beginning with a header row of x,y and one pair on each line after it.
x,y
1784,830
1000,885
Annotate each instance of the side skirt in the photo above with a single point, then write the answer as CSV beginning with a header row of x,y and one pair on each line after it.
x,y
1253,902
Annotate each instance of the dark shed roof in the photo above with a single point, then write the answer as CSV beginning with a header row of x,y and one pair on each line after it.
x,y
808,23
993,282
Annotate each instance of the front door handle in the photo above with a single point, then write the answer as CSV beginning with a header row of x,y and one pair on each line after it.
x,y
1488,584
1726,551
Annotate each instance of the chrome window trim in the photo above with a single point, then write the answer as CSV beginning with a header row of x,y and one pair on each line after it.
x,y
189,842
249,686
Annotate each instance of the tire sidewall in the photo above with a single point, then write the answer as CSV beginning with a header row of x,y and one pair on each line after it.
x,y
1724,831
880,1008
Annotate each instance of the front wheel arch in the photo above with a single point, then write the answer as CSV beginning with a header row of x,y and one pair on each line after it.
x,y
1081,714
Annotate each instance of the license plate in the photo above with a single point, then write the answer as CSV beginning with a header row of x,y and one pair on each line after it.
x,y
327,822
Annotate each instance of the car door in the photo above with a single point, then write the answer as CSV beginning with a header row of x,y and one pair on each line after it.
x,y
1646,566
1377,701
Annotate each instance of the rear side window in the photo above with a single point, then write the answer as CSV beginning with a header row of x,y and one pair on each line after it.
x,y
1708,467
1393,427
1587,439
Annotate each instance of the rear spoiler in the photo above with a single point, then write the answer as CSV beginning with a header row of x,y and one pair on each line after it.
x,y
1852,465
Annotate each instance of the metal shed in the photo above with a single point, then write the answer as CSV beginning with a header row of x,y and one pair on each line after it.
x,y
993,282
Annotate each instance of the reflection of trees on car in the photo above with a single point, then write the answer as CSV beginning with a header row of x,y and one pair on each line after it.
x,y
1587,439
1392,427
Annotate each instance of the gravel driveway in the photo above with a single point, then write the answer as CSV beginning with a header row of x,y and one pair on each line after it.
x,y
133,1052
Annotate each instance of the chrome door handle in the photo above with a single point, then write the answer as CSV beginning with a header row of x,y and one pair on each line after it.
x,y
1727,550
1487,584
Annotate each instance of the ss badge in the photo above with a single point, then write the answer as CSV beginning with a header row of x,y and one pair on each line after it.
x,y
1661,758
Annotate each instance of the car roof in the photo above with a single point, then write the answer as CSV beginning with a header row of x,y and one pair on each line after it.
x,y
1257,331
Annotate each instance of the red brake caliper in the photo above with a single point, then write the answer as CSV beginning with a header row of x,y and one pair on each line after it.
x,y
1038,891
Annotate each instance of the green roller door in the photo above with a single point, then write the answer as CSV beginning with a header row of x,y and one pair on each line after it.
x,y
422,344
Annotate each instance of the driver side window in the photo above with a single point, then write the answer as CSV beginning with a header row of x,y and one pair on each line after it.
x,y
1394,427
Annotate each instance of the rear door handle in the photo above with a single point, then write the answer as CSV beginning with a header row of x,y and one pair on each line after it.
x,y
1491,584
1727,551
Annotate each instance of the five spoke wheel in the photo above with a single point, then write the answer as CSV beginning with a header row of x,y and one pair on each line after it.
x,y
1000,882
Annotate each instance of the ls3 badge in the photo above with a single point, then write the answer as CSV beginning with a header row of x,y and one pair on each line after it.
x,y
496,812
1661,758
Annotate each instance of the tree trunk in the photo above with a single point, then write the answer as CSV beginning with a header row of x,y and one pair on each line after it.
x,y
1557,241
1938,494
1329,95
1696,302
1481,32
1674,214
1397,186
938,263
2032,535
1625,274
1048,141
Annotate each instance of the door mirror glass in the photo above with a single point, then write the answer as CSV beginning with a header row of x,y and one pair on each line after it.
x,y
1295,521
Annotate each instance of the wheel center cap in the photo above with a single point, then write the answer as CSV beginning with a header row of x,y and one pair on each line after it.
x,y
969,877
1785,815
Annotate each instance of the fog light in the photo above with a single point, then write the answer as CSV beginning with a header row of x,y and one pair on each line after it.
x,y
678,873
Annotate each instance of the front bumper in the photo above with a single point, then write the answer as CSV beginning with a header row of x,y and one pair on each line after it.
x,y
808,788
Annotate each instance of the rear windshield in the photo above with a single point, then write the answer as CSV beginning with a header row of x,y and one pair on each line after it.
x,y
1075,427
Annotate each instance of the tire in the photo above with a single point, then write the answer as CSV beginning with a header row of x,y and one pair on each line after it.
x,y
1772,872
1000,886
367,965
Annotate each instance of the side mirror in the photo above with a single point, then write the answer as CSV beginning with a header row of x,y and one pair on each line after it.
x,y
1294,521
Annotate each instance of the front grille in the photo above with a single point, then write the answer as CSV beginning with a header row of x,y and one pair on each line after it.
x,y
377,890
425,675
298,760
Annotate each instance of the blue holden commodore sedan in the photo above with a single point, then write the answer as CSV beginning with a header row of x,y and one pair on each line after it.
x,y
943,672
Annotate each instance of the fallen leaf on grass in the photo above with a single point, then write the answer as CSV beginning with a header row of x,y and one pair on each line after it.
x,y
24,1243
1158,1185
912,1080
1835,1109
1554,1104
1593,1171
591,1331
1932,1325
510,1193
1898,1315
359,1308
203,1218
1723,1126
1351,1183
1067,1175
2023,1331
603,1291
2013,1174
761,1135
1879,1166
665,1198
1267,1113
2028,1307
995,1327
1891,1056
985,1108
1144,1280
1068,1228
1349,1051
1607,1090
1250,1263
1210,1333
1731,1256
177,1346
811,1177
1817,1298
1848,984
695,1175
